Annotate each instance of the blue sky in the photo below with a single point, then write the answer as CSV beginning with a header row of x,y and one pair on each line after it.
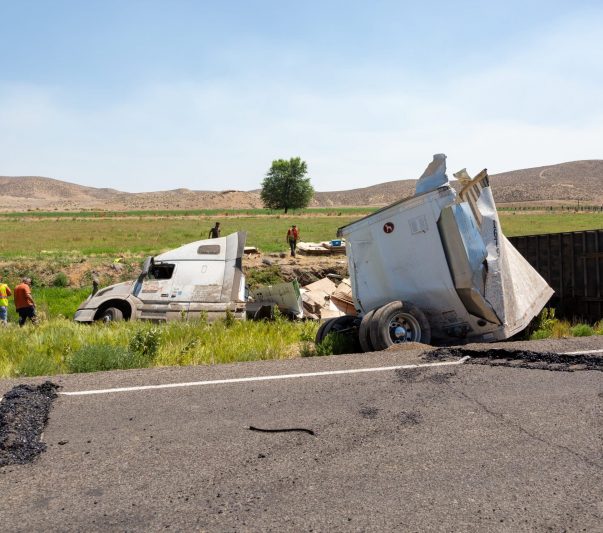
x,y
155,95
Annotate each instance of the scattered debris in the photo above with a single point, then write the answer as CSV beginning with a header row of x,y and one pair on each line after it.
x,y
325,299
322,248
284,430
24,412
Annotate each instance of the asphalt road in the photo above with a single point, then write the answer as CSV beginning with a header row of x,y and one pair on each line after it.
x,y
451,448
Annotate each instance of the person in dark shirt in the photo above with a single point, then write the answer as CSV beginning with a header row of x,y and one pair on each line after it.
x,y
214,233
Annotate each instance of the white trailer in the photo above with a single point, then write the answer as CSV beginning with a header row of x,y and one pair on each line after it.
x,y
436,268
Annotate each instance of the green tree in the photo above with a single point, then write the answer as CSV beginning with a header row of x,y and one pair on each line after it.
x,y
285,185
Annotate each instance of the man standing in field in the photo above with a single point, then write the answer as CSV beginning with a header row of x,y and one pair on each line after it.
x,y
214,233
24,303
5,292
292,238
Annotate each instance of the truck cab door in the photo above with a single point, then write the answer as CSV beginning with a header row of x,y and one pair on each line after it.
x,y
159,293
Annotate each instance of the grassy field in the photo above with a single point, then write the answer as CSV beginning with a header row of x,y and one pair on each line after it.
x,y
143,235
40,236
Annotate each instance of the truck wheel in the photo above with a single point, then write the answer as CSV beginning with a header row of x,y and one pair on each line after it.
x,y
364,333
344,325
112,314
399,322
320,334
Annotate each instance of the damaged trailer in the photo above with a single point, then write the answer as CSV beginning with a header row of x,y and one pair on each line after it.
x,y
202,278
436,268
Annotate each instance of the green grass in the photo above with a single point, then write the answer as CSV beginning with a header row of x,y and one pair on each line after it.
x,y
61,346
153,234
535,224
53,302
547,326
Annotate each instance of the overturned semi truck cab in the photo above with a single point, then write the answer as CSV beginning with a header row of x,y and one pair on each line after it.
x,y
436,268
202,278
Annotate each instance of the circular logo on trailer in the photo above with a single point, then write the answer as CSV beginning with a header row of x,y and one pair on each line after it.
x,y
388,227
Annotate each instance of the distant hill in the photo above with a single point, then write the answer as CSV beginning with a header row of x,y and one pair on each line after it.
x,y
554,184
550,185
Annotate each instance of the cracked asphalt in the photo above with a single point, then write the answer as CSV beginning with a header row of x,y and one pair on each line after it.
x,y
471,447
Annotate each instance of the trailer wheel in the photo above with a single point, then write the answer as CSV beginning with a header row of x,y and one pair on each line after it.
x,y
364,333
399,322
320,334
112,314
345,325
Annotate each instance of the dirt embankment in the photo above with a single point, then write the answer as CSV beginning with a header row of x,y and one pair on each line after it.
x,y
260,269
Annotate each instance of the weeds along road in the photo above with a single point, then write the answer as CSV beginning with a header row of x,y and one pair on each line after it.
x,y
459,447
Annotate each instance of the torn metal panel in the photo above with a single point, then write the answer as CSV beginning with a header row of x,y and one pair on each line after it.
x,y
466,254
434,175
513,287
286,296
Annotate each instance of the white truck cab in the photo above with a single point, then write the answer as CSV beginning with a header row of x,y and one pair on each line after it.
x,y
202,277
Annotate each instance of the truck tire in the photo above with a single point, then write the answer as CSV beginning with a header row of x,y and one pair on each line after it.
x,y
397,323
346,325
321,334
112,314
364,333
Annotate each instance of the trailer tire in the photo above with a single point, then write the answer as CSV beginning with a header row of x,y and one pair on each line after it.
x,y
321,334
346,325
112,314
364,332
397,323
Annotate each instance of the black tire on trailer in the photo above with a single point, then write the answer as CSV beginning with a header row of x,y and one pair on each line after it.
x,y
112,314
399,322
373,328
364,334
320,334
346,325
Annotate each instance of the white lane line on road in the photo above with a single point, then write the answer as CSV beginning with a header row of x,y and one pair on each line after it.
x,y
261,378
581,352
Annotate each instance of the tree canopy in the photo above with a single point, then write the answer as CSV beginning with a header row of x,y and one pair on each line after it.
x,y
285,185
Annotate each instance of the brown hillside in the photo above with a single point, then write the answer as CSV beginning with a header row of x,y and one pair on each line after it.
x,y
555,184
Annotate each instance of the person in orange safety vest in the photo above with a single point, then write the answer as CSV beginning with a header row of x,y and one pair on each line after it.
x,y
5,292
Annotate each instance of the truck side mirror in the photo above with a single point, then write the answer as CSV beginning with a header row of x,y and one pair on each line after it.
x,y
146,266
